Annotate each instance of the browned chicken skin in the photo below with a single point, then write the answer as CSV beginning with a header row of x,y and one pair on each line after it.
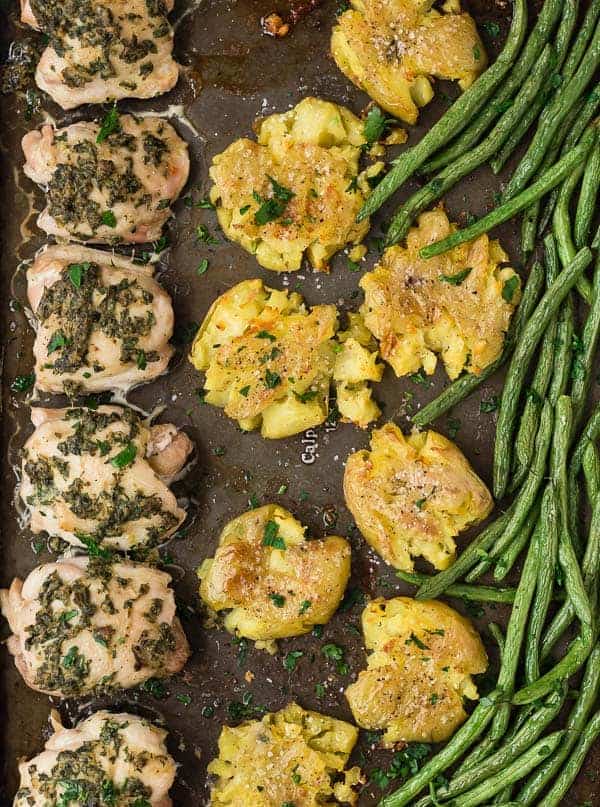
x,y
66,641
108,189
102,51
88,479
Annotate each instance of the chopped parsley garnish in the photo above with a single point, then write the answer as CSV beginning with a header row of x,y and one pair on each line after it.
x,y
304,606
375,125
420,503
307,395
245,390
458,278
141,360
109,125
93,547
454,425
319,690
22,383
203,235
77,272
202,267
476,53
404,763
266,335
290,660
271,536
272,380
154,687
125,457
57,341
185,699
244,209
419,378
272,208
414,639
278,600
489,405
509,288
109,218
335,653
353,266
491,28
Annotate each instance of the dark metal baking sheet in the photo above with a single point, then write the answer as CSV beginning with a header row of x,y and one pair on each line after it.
x,y
243,74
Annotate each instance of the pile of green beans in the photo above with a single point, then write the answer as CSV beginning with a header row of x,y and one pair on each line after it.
x,y
546,456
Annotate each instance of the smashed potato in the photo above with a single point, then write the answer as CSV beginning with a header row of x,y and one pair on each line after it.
x,y
295,191
293,756
269,361
410,496
273,582
457,305
392,49
422,657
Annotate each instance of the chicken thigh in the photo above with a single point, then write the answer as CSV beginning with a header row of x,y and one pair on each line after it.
x,y
103,323
117,759
103,51
107,184
93,477
83,624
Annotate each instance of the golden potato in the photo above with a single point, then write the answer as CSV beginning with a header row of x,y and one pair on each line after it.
x,y
294,192
392,49
293,756
269,362
422,656
457,305
271,580
412,495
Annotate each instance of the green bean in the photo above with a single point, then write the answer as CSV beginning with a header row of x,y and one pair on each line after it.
x,y
524,350
523,739
596,241
455,119
591,472
508,556
530,226
580,648
523,126
545,583
439,583
539,36
463,739
564,350
562,220
442,183
584,360
526,511
548,180
468,382
554,797
472,593
586,29
529,422
563,430
591,432
496,633
566,28
552,117
590,568
586,206
573,131
546,773
518,769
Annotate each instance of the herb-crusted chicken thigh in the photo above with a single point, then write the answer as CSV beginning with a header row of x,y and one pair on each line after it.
x,y
116,759
392,49
422,655
107,184
457,305
410,496
98,477
269,361
103,51
293,756
82,624
103,323
271,580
